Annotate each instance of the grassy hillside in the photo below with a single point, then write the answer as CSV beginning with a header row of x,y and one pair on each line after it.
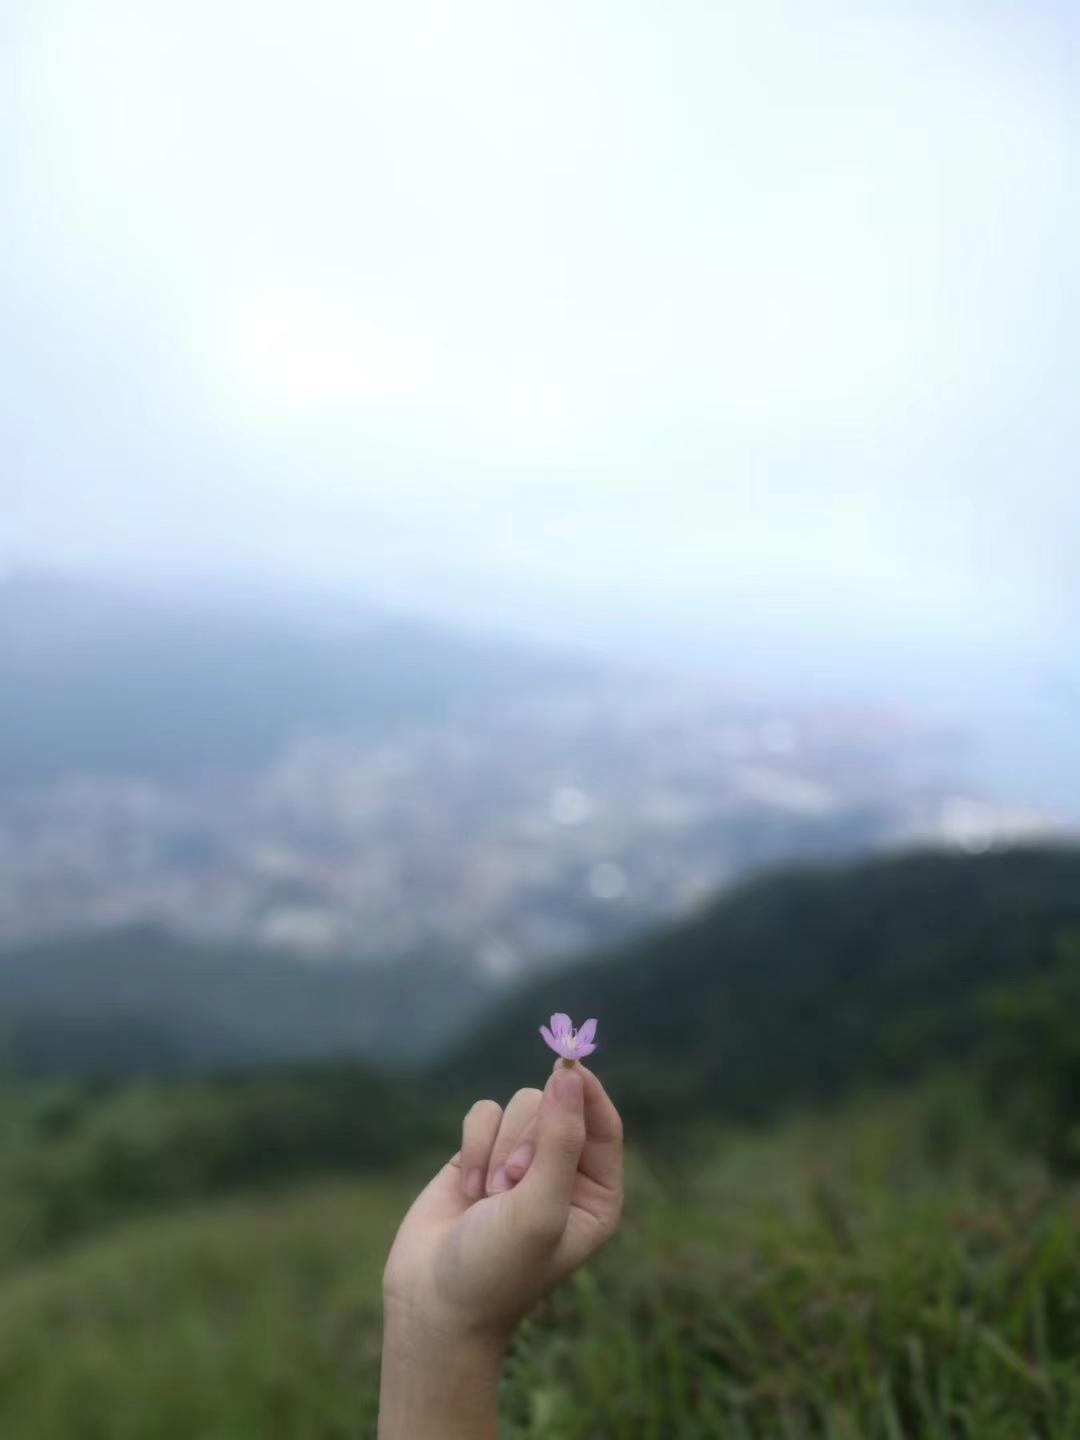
x,y
889,1271
186,1260
806,985
77,1158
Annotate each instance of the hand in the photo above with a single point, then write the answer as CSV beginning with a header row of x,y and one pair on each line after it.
x,y
474,1262
466,1265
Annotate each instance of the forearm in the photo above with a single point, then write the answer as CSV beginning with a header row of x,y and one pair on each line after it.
x,y
436,1386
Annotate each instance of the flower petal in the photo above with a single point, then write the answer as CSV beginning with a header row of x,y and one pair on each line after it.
x,y
583,1050
586,1033
549,1039
561,1024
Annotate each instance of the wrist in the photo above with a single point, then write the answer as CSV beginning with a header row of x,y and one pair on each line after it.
x,y
439,1379
434,1338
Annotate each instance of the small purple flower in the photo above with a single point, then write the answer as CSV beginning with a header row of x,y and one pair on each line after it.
x,y
571,1044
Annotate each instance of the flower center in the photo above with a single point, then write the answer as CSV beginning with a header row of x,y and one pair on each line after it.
x,y
570,1039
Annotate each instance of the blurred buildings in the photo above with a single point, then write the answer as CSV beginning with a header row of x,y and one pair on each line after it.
x,y
509,833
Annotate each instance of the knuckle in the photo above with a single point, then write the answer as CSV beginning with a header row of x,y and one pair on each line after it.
x,y
483,1110
526,1098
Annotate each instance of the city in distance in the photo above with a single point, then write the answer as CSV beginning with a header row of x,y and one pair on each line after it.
x,y
352,786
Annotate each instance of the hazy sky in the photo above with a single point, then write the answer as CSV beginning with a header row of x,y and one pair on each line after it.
x,y
626,302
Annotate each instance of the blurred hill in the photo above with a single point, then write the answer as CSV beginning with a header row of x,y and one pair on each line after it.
x,y
143,1002
800,986
808,984
98,679
798,990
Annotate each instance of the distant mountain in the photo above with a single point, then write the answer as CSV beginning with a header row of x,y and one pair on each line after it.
x,y
105,680
142,1002
804,985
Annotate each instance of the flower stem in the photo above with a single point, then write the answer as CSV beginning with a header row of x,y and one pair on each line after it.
x,y
568,1064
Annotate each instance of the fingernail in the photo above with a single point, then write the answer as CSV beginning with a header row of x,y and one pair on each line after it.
x,y
567,1086
499,1182
519,1160
474,1184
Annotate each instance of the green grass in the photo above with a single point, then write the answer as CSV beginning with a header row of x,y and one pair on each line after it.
x,y
79,1157
893,1271
880,1277
238,1320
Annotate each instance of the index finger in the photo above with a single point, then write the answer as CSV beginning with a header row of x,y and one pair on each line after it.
x,y
601,1159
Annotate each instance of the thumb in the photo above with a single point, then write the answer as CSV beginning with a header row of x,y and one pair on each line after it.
x,y
542,1199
